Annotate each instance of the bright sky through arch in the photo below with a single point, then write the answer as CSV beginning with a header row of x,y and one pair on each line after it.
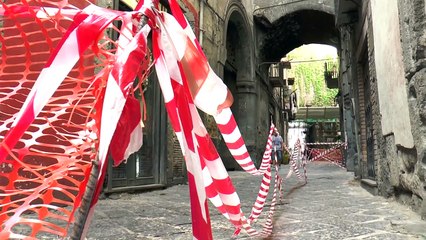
x,y
313,52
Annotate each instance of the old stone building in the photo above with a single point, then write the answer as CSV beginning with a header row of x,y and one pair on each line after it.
x,y
242,39
381,45
382,79
382,87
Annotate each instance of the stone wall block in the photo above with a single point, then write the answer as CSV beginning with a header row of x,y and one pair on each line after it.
x,y
408,158
412,29
387,166
420,172
418,88
392,161
411,183
423,158
423,210
421,46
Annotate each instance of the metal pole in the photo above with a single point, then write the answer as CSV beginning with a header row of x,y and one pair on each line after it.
x,y
83,211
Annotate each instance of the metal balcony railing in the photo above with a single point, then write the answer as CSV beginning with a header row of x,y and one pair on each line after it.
x,y
276,74
331,75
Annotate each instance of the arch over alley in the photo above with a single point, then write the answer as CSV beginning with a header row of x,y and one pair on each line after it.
x,y
294,30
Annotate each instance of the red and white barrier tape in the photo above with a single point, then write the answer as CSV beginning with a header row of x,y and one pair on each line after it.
x,y
334,162
263,193
323,143
326,152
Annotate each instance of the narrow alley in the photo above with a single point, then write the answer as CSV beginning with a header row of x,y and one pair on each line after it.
x,y
119,117
331,206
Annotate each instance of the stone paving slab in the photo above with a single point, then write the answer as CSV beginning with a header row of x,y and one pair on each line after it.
x,y
331,206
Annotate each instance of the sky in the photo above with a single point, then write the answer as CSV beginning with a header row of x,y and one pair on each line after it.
x,y
321,50
315,51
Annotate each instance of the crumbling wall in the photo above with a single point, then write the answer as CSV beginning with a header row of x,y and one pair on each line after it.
x,y
412,176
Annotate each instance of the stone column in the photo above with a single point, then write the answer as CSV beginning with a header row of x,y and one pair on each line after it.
x,y
346,68
247,112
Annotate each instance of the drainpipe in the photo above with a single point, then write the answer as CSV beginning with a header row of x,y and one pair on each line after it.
x,y
194,13
201,24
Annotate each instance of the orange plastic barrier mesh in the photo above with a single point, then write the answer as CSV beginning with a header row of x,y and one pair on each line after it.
x,y
42,179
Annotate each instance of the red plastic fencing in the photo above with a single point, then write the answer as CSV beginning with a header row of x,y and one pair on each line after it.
x,y
43,175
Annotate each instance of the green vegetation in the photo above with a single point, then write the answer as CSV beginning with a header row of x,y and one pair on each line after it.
x,y
308,73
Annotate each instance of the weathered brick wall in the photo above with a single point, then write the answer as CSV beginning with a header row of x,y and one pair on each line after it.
x,y
211,39
362,71
235,45
226,35
373,86
375,107
213,33
176,168
362,165
400,171
347,67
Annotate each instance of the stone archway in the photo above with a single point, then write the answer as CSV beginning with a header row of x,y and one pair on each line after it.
x,y
238,55
295,29
284,28
238,74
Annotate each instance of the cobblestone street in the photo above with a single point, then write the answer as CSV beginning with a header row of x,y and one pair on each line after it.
x,y
331,206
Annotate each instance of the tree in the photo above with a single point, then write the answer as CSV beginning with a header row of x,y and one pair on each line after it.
x,y
309,77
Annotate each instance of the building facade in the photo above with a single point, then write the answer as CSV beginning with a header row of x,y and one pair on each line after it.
x,y
381,45
382,87
382,56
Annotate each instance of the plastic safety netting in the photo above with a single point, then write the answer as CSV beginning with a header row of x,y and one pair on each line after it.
x,y
44,169
67,95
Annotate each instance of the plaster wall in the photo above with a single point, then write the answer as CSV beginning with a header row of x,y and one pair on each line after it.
x,y
390,72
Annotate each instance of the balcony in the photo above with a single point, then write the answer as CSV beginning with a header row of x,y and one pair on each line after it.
x,y
291,106
331,75
289,81
277,74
